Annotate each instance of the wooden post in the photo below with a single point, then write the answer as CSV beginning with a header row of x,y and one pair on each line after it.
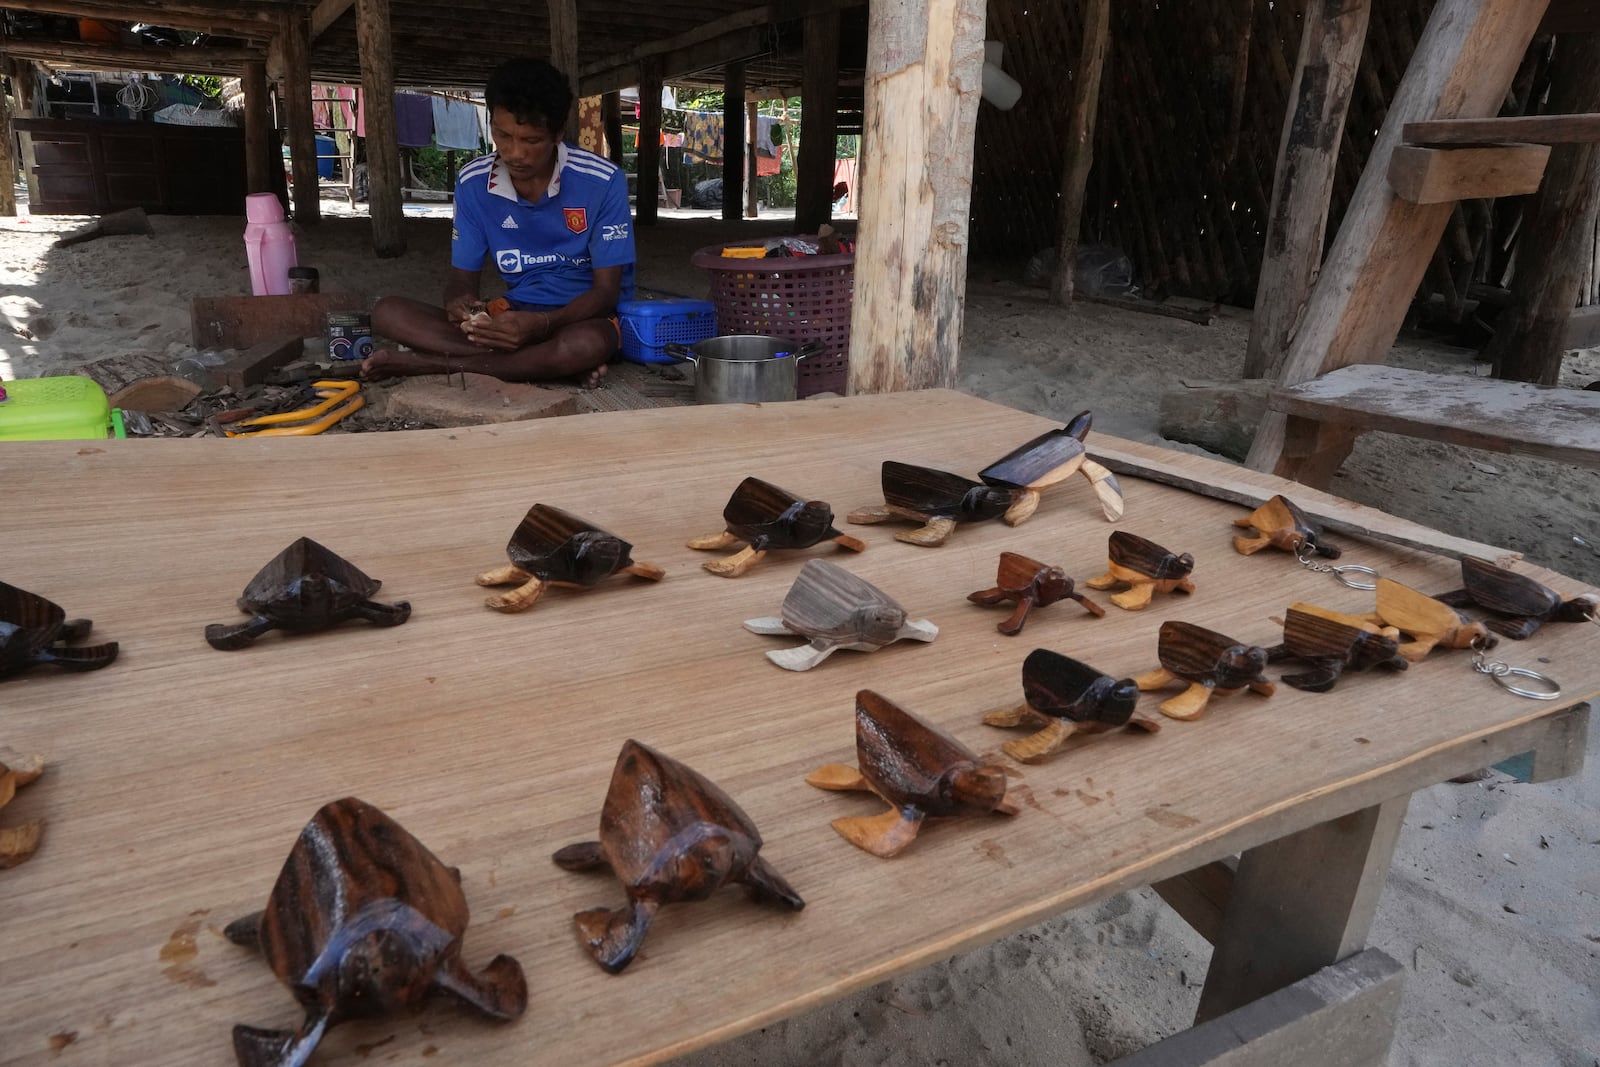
x,y
1308,153
258,139
819,106
1080,143
384,198
611,118
296,38
648,187
752,131
1462,67
733,142
1558,231
564,54
924,67
8,155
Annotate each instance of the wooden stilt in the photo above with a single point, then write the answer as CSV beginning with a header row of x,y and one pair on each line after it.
x,y
258,161
564,54
916,191
296,44
384,198
8,159
1080,143
611,119
649,157
751,133
819,105
733,142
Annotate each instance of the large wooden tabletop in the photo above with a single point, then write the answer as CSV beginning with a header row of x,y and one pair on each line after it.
x,y
180,777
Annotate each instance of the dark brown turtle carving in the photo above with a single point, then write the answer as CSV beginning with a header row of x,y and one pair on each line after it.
x,y
1067,697
304,589
364,921
766,517
1209,663
1029,584
1050,459
1146,568
552,547
937,499
835,609
1428,622
1281,524
1330,643
35,631
671,836
1515,605
919,769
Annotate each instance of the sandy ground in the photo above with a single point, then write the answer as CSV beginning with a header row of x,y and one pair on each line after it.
x,y
1493,902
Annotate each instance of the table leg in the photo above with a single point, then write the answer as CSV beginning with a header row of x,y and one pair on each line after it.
x,y
1300,903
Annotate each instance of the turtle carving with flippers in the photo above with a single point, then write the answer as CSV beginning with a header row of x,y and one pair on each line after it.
x,y
1330,643
364,921
671,836
1280,523
1208,663
1047,460
1145,567
937,499
1515,605
835,609
1428,622
921,771
35,631
1029,584
304,589
1068,698
767,517
552,547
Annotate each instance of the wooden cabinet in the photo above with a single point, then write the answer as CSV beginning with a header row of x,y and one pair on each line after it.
x,y
92,167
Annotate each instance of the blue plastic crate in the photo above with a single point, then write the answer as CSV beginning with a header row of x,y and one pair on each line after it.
x,y
648,326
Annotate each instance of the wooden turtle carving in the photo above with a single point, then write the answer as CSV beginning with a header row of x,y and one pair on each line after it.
x,y
18,842
919,769
1330,643
1209,663
1429,623
1516,605
671,836
1067,698
1146,568
364,921
1029,584
304,589
552,547
937,499
35,631
1050,459
1281,524
766,517
835,609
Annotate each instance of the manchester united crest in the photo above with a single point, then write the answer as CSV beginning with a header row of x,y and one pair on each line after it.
x,y
577,219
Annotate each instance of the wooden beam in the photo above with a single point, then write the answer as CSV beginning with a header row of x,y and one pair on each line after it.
x,y
734,162
384,197
924,68
1080,143
84,56
751,133
819,113
1516,129
1462,67
258,139
564,54
611,119
648,187
1302,186
8,159
1200,897
1445,175
259,20
714,54
296,43
325,14
761,16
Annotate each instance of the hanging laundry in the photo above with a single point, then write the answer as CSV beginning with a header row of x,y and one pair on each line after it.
x,y
413,120
455,123
591,132
361,113
767,166
764,125
671,140
702,137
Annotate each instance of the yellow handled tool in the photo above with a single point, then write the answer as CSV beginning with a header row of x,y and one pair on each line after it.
x,y
338,400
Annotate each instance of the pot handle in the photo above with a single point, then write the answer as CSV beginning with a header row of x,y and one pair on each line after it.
x,y
681,353
810,348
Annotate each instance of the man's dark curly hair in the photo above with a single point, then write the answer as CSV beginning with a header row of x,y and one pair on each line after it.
x,y
531,90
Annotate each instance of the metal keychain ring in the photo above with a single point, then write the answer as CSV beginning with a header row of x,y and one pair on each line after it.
x,y
1502,679
1338,572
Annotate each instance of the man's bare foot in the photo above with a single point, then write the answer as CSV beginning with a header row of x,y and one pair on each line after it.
x,y
593,379
395,362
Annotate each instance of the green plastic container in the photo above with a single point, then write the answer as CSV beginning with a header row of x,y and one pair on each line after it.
x,y
68,408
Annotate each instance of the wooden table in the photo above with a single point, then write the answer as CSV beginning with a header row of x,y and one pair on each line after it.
x,y
180,776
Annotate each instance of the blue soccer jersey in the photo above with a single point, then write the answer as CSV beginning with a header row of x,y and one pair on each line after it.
x,y
545,251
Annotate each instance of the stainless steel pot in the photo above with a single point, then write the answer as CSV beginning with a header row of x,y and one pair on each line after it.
x,y
744,368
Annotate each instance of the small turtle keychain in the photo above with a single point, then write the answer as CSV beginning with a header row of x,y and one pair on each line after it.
x,y
1303,554
1279,523
1502,674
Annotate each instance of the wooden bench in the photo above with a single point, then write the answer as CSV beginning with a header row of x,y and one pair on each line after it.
x,y
1459,409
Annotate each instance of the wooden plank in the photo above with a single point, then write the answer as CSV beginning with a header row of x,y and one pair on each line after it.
x,y
819,115
924,58
1200,897
1513,129
1459,409
1445,175
1342,1016
8,160
1299,904
1560,753
385,197
1079,144
83,56
325,14
251,366
492,737
243,321
296,96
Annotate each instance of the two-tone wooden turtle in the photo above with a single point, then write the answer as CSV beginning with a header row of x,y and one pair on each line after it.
x,y
1515,605
1146,568
552,547
835,609
919,769
1208,663
767,517
1280,523
304,589
1050,459
671,836
364,921
1067,698
18,842
937,499
1429,623
1330,643
35,631
1029,584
